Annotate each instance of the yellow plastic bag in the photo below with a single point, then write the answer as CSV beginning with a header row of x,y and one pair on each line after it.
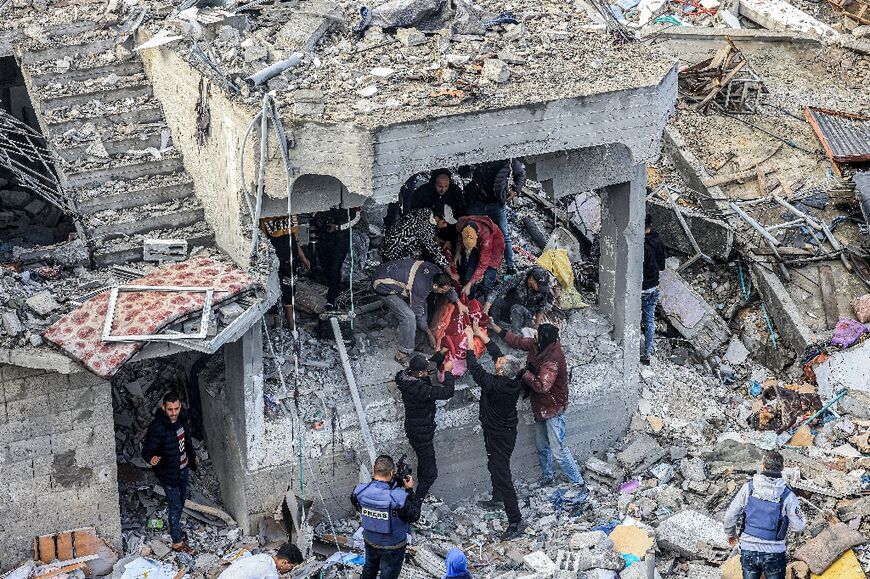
x,y
556,262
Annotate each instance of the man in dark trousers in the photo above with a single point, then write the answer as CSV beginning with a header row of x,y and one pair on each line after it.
x,y
419,394
168,448
493,185
333,229
653,262
499,393
387,509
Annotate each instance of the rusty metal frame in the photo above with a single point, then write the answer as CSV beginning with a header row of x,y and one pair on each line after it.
x,y
808,113
205,320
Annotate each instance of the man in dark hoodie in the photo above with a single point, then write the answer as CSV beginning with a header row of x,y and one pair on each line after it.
x,y
499,393
546,375
653,262
770,510
419,394
168,448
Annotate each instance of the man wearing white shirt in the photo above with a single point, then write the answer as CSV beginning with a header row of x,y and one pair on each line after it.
x,y
264,566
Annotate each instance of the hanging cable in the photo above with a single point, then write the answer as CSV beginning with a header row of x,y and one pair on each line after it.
x,y
350,272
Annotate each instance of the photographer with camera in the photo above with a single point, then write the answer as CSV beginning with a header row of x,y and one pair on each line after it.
x,y
387,508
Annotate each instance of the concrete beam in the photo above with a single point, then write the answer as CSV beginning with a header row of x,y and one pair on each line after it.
x,y
40,359
692,170
738,35
571,172
714,237
781,15
785,314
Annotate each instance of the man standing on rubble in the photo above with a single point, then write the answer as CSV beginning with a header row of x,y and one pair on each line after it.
x,y
546,375
419,395
653,262
771,510
387,508
405,285
493,185
499,393
168,448
334,231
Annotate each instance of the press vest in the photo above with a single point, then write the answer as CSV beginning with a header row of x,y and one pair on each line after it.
x,y
382,526
765,519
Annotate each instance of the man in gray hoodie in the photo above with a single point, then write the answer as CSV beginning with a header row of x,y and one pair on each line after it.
x,y
771,511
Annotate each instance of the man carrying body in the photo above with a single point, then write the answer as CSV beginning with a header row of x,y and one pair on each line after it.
x,y
546,375
264,566
405,285
522,300
493,185
167,447
387,513
419,395
499,393
653,263
771,511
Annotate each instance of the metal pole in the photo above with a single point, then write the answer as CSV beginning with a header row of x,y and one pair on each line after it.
x,y
351,381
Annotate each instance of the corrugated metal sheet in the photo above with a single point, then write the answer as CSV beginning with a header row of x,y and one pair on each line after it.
x,y
845,136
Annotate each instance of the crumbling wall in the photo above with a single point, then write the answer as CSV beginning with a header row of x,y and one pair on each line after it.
x,y
58,458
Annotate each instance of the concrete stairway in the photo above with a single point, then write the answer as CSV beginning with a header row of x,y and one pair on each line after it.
x,y
111,145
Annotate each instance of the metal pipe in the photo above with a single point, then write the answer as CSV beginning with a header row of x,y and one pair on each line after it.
x,y
264,75
651,564
755,225
351,382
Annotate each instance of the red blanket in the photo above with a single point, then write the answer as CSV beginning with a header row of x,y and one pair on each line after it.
x,y
448,325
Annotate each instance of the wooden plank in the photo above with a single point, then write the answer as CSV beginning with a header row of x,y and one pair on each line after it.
x,y
47,552
64,546
829,296
723,179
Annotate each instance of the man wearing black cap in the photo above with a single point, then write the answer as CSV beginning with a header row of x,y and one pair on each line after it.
x,y
419,394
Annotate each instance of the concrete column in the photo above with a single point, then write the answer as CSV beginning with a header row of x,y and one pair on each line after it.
x,y
243,360
623,209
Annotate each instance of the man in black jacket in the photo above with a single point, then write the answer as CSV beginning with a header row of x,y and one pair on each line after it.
x,y
499,393
168,448
419,395
493,185
653,262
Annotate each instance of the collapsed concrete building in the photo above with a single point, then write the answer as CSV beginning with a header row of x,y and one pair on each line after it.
x,y
140,162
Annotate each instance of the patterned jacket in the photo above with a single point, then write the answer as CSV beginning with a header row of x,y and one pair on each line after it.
x,y
413,235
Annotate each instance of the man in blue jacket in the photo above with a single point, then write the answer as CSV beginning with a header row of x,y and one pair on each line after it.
x,y
771,511
168,448
387,510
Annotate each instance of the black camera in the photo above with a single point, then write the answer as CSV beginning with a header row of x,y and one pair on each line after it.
x,y
402,470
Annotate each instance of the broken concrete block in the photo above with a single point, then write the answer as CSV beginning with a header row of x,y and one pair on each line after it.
x,y
638,570
164,250
699,571
410,36
693,469
694,535
308,103
642,450
594,550
539,562
11,324
604,472
255,52
714,237
691,315
230,312
159,548
495,70
34,207
826,547
737,352
850,367
42,303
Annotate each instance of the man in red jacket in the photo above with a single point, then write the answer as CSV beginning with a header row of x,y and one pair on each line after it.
x,y
546,376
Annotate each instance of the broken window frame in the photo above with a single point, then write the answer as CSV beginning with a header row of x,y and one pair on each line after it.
x,y
205,320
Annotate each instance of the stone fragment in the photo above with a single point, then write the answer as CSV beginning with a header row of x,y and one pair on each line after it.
x,y
410,36
694,535
737,352
638,570
367,92
159,548
382,72
164,250
509,56
699,571
655,423
495,70
539,562
11,324
97,149
42,303
693,469
642,450
255,52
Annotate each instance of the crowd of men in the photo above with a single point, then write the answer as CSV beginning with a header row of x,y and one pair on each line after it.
x,y
447,242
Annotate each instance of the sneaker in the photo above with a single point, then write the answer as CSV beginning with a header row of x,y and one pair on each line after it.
x,y
491,504
513,531
644,360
